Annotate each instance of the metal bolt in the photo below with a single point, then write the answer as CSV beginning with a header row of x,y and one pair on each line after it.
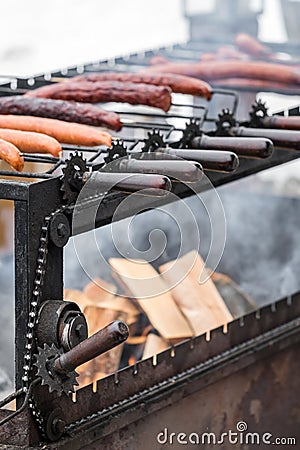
x,y
80,330
62,230
58,425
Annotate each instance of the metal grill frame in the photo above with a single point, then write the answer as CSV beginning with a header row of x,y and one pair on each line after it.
x,y
30,209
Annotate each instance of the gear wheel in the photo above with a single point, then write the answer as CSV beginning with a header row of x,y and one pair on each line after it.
x,y
192,130
71,180
55,382
116,151
153,141
258,112
225,121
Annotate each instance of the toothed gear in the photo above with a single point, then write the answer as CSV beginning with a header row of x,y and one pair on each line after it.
x,y
116,151
259,111
153,141
71,180
225,121
192,130
55,382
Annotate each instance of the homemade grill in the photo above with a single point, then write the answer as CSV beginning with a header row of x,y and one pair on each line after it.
x,y
129,407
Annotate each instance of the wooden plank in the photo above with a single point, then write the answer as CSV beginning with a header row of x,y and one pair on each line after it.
x,y
153,296
109,362
154,344
100,290
201,304
100,294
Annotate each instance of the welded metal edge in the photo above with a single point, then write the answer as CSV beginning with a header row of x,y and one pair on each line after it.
x,y
136,381
175,388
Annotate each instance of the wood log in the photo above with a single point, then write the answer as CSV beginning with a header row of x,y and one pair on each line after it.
x,y
154,344
152,295
100,293
201,304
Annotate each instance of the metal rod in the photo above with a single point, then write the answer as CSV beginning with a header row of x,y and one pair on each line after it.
x,y
288,139
109,337
149,184
250,148
24,404
281,122
188,171
217,161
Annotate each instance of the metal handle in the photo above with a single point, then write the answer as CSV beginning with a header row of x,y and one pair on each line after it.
x,y
188,171
216,161
250,148
150,184
284,123
281,138
109,337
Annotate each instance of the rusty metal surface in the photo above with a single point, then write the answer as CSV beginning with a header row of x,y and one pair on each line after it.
x,y
18,432
168,364
263,395
154,384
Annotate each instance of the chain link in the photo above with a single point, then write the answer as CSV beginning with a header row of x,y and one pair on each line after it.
x,y
33,315
35,300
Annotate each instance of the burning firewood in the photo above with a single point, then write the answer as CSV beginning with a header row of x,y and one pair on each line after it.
x,y
102,294
201,303
236,300
154,344
153,296
101,307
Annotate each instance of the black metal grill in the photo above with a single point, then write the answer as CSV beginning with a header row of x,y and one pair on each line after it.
x,y
30,211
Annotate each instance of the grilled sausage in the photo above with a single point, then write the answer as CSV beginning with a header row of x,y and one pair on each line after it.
x,y
65,132
10,154
251,46
29,142
256,84
177,83
108,91
213,70
158,59
59,109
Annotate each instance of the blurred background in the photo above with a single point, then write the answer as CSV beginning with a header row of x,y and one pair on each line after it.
x,y
39,36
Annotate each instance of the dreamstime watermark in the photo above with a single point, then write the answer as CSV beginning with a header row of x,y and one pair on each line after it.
x,y
188,233
239,436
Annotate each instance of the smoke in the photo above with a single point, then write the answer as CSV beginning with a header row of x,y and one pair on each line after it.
x,y
262,251
262,243
6,324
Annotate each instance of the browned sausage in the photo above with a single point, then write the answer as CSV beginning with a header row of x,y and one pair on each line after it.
x,y
60,109
209,71
29,142
108,91
12,155
256,84
177,83
228,52
158,59
65,132
252,46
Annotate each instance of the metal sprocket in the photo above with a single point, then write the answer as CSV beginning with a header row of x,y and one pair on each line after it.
x,y
258,112
224,122
153,141
71,180
56,382
192,130
116,151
